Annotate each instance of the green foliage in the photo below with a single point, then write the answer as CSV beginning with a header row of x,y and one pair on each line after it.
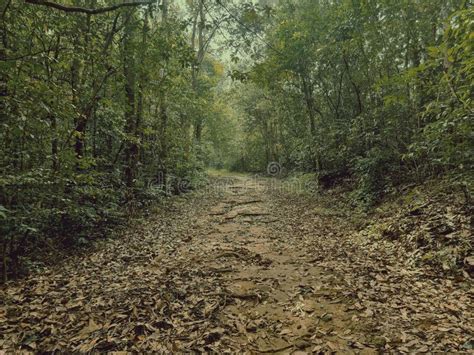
x,y
446,137
97,119
106,113
374,176
380,92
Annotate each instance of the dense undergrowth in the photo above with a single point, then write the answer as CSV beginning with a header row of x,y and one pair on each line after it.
x,y
56,218
104,112
432,222
376,93
101,112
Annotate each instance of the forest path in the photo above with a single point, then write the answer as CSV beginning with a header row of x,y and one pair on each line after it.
x,y
243,265
273,297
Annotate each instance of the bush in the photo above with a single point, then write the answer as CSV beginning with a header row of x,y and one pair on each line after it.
x,y
374,174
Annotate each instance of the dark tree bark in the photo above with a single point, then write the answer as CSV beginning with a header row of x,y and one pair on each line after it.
x,y
134,92
131,149
307,88
88,11
356,88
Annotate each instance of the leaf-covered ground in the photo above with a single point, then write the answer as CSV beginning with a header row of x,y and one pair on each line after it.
x,y
242,267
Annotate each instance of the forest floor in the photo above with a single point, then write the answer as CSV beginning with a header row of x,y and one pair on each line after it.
x,y
242,266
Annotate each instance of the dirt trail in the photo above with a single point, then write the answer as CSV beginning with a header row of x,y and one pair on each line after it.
x,y
266,296
240,268
277,302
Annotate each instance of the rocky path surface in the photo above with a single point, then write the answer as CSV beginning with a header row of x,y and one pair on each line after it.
x,y
242,266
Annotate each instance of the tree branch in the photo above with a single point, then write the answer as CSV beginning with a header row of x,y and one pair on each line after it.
x,y
83,10
23,56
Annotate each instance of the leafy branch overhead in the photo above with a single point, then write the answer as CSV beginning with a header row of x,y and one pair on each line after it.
x,y
88,11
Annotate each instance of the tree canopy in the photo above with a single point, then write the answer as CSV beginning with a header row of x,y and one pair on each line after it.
x,y
107,106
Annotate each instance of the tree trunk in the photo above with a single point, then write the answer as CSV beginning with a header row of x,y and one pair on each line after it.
x,y
162,171
164,11
308,95
3,54
54,144
198,122
356,88
130,111
161,178
134,91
